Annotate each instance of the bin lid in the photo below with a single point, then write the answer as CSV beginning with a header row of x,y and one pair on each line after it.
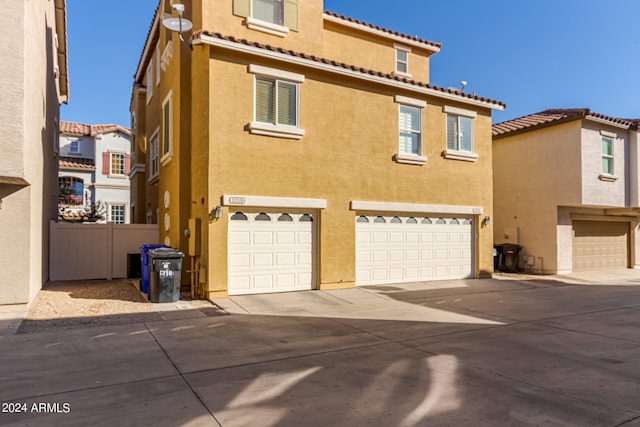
x,y
166,253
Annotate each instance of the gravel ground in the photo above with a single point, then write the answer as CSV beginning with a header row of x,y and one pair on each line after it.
x,y
76,304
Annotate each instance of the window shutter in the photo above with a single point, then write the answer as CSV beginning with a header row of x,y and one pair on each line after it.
x,y
106,163
264,101
287,104
241,7
452,131
291,14
127,164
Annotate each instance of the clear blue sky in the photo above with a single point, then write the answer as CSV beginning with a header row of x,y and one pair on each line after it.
x,y
531,55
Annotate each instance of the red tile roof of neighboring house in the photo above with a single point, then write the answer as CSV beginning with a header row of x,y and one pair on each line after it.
x,y
80,129
76,163
554,116
375,27
198,34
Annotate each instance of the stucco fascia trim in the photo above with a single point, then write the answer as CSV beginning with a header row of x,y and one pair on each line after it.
x,y
607,122
357,205
379,33
252,50
273,202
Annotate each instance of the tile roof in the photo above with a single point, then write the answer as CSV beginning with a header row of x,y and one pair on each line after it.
x,y
198,34
76,163
375,27
555,116
80,129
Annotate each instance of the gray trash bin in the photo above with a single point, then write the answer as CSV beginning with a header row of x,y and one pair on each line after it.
x,y
165,274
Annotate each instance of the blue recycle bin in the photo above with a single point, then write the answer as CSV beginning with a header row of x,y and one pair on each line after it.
x,y
144,261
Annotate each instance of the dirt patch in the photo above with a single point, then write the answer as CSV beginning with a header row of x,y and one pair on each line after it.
x,y
76,304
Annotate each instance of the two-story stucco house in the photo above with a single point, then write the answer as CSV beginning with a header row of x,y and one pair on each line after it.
x,y
33,83
295,148
94,167
566,188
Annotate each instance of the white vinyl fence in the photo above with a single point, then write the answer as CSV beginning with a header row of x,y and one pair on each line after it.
x,y
95,251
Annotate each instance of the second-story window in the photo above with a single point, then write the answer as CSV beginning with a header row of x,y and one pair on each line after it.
x,y
74,147
117,164
154,161
607,155
459,135
276,102
167,129
410,130
268,11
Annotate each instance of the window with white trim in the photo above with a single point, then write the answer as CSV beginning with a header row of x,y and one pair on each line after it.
x,y
410,129
149,82
117,163
607,155
459,124
459,133
402,61
276,103
154,159
275,17
167,129
74,147
268,10
117,213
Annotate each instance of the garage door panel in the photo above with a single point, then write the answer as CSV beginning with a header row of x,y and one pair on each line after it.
x,y
400,249
600,245
275,255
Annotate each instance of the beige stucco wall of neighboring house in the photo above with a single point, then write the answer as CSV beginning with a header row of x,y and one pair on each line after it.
x,y
534,173
341,158
28,134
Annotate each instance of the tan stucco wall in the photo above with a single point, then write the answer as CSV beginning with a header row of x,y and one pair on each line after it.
x,y
366,50
28,133
342,157
534,173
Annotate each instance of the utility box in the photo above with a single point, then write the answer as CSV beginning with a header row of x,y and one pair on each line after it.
x,y
165,275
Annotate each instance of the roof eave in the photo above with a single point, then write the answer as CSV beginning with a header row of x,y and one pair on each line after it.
x,y
378,32
204,38
63,48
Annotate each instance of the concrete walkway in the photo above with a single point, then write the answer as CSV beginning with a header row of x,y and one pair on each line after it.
x,y
464,353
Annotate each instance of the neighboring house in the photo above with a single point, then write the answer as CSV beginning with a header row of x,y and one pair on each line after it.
x,y
296,149
94,167
566,188
33,84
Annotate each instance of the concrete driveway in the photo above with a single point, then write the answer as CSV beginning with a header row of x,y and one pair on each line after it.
x,y
489,352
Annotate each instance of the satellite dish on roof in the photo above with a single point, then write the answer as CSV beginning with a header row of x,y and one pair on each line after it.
x,y
178,25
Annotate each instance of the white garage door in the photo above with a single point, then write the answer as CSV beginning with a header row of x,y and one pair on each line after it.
x,y
270,252
394,249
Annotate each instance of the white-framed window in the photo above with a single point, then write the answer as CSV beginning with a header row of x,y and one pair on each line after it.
x,y
271,11
402,60
74,147
460,134
607,155
154,158
117,164
157,65
117,212
275,17
149,82
410,130
276,103
167,129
